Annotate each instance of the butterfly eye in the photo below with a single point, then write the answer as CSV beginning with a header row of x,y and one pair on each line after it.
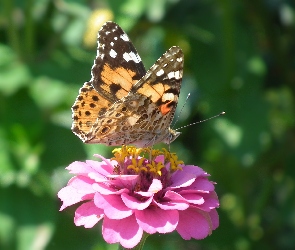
x,y
171,136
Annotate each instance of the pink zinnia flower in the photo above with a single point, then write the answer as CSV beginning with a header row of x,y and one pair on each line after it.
x,y
135,194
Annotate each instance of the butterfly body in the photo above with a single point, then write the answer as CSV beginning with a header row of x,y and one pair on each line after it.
x,y
123,104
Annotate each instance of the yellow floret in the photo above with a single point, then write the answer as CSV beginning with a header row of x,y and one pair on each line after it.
x,y
139,156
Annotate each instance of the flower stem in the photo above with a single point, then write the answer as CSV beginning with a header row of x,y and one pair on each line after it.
x,y
139,246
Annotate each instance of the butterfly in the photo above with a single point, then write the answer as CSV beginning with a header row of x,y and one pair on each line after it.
x,y
123,103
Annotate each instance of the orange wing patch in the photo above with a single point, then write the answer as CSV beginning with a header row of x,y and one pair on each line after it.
x,y
155,92
119,77
167,107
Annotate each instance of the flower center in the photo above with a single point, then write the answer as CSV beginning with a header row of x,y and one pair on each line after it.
x,y
132,160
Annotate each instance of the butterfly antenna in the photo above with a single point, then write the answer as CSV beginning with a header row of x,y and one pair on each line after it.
x,y
222,113
178,116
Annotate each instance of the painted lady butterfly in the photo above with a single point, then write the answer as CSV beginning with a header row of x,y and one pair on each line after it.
x,y
123,104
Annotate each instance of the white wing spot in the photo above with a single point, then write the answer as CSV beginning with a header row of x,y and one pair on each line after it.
x,y
107,32
112,44
160,72
177,75
179,59
131,57
171,75
113,53
168,97
115,38
124,37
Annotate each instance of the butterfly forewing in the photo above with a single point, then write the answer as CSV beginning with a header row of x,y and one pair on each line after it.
x,y
162,83
117,65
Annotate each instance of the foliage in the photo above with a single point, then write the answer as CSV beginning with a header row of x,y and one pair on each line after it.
x,y
239,58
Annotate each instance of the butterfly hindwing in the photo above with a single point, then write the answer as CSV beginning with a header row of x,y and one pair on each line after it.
x,y
88,106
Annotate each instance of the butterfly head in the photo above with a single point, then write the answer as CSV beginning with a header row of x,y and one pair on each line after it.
x,y
173,134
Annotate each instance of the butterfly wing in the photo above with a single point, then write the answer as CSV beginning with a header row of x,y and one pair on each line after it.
x,y
116,69
117,65
143,117
162,84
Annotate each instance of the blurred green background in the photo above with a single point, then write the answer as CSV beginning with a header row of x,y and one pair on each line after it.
x,y
239,58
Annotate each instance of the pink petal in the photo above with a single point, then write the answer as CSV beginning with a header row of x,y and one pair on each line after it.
x,y
208,205
154,220
186,199
160,158
102,168
113,206
144,194
134,203
201,184
88,215
174,201
89,166
214,218
123,181
106,165
125,231
194,198
93,169
156,186
97,177
79,188
194,224
172,205
174,196
199,172
78,167
186,176
104,188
